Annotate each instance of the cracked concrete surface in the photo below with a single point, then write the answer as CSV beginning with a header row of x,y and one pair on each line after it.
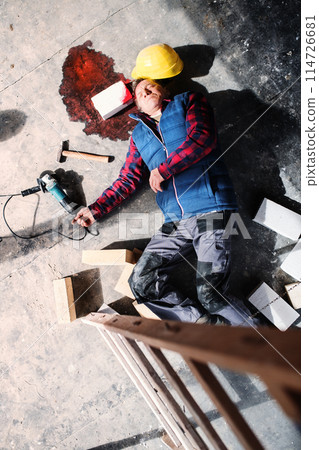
x,y
60,386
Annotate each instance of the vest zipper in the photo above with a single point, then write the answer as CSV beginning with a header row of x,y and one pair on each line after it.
x,y
174,185
165,150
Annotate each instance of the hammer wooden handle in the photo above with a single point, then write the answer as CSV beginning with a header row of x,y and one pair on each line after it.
x,y
83,155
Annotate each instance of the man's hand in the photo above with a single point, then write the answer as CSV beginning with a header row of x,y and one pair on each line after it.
x,y
84,218
155,180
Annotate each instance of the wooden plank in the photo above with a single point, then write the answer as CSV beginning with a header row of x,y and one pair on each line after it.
x,y
263,351
155,393
279,219
169,443
122,285
142,384
225,405
272,306
144,311
64,300
288,399
136,374
294,293
155,380
137,253
197,413
108,257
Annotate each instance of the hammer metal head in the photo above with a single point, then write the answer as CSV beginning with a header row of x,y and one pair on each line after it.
x,y
65,146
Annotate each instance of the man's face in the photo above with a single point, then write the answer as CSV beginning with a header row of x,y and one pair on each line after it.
x,y
149,96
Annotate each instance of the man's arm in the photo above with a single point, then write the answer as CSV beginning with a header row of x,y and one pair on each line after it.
x,y
201,137
131,176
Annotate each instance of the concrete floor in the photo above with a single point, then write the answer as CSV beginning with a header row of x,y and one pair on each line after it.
x,y
60,387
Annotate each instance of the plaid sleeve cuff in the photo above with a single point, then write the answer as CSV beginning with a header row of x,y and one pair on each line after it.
x,y
96,211
164,171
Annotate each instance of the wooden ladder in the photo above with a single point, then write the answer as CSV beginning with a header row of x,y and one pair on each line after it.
x,y
272,355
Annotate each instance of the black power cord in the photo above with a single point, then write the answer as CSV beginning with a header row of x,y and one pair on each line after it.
x,y
86,230
9,195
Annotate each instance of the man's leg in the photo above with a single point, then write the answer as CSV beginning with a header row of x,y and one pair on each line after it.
x,y
213,266
152,280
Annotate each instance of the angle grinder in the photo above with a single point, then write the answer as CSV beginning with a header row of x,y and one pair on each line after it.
x,y
47,183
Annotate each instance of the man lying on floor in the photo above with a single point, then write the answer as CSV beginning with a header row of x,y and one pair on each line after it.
x,y
175,144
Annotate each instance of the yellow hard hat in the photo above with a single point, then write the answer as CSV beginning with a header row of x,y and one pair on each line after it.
x,y
156,62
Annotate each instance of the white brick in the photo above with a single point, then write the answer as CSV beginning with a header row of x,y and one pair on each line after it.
x,y
279,219
294,293
292,264
112,100
279,312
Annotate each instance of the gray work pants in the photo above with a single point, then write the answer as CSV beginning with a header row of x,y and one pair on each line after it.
x,y
152,280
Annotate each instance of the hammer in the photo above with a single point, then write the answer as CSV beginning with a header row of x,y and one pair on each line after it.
x,y
64,152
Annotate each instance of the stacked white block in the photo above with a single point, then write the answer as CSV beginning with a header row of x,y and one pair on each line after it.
x,y
292,264
112,100
272,306
294,293
279,219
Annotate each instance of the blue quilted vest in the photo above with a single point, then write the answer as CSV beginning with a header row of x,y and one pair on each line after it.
x,y
203,187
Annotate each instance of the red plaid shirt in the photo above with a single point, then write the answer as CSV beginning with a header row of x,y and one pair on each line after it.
x,y
201,139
